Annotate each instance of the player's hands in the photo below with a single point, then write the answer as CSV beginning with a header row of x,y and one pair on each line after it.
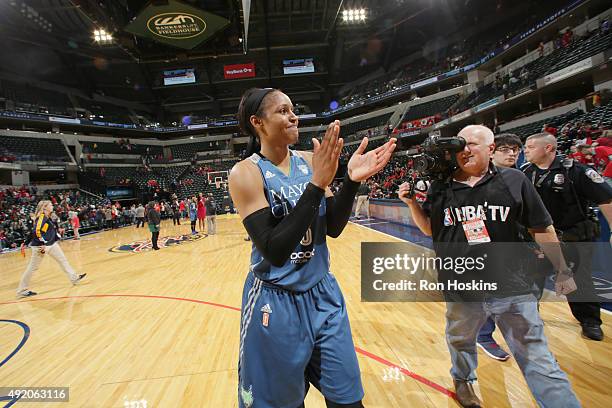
x,y
362,166
404,194
325,156
564,283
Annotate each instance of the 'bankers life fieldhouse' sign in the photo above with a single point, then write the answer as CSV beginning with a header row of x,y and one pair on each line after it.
x,y
176,24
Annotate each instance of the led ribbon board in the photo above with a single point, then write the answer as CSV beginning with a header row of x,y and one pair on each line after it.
x,y
176,24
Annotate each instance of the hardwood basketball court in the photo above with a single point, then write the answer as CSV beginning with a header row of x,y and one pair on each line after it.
x,y
163,326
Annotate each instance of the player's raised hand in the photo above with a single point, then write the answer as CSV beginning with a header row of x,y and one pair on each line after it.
x,y
362,166
325,156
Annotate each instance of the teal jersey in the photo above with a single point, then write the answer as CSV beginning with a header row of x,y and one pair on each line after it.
x,y
309,262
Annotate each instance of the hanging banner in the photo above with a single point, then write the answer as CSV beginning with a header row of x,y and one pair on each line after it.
x,y
176,24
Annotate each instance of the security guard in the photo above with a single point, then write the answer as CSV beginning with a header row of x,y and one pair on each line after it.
x,y
567,188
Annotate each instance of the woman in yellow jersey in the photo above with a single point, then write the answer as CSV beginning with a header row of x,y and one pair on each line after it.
x,y
44,240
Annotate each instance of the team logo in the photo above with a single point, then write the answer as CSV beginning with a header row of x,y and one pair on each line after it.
x,y
448,218
559,179
307,240
594,176
176,26
247,396
163,242
302,256
303,168
266,310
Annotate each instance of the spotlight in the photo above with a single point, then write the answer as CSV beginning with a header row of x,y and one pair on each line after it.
x,y
354,15
102,37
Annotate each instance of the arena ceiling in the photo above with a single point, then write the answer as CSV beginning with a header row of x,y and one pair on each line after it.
x,y
52,41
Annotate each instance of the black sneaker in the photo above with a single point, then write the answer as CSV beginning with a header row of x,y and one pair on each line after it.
x,y
592,331
81,276
492,349
25,294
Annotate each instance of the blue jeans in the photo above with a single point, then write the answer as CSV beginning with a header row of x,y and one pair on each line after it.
x,y
485,335
518,319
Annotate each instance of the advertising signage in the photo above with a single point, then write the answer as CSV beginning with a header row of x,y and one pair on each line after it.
x,y
237,71
176,24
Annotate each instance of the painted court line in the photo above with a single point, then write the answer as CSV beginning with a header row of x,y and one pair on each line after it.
x,y
361,351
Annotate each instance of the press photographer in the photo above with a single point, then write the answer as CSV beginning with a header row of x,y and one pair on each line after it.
x,y
476,205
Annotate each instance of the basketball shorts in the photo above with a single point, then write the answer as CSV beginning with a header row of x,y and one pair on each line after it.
x,y
289,340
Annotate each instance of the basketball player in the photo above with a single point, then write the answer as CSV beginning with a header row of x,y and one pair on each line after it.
x,y
294,330
45,238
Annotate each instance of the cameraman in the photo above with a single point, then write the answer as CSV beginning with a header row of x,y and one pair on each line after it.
x,y
477,183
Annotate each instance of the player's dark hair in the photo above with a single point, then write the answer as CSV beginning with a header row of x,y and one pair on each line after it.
x,y
251,104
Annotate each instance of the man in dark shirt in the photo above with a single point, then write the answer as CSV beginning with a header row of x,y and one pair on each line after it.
x,y
567,188
154,221
477,207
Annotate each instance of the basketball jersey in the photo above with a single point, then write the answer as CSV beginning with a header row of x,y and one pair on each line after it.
x,y
309,262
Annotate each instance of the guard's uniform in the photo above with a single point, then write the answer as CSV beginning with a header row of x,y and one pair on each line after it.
x,y
294,328
567,192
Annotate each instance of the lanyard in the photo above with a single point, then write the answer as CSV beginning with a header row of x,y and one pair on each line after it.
x,y
541,179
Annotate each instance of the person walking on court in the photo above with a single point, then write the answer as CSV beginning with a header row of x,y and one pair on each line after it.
x,y
154,221
44,239
211,215
294,328
140,215
363,199
176,214
73,217
193,214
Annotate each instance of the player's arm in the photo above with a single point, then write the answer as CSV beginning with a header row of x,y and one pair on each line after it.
x,y
338,207
274,238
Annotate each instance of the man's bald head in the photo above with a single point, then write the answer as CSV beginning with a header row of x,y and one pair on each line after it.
x,y
474,159
482,133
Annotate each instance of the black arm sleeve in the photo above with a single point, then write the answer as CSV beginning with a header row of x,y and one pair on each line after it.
x,y
339,207
276,240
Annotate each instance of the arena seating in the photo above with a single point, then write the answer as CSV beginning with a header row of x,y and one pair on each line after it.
x,y
536,127
600,116
31,149
188,150
577,50
432,108
105,111
121,148
35,100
